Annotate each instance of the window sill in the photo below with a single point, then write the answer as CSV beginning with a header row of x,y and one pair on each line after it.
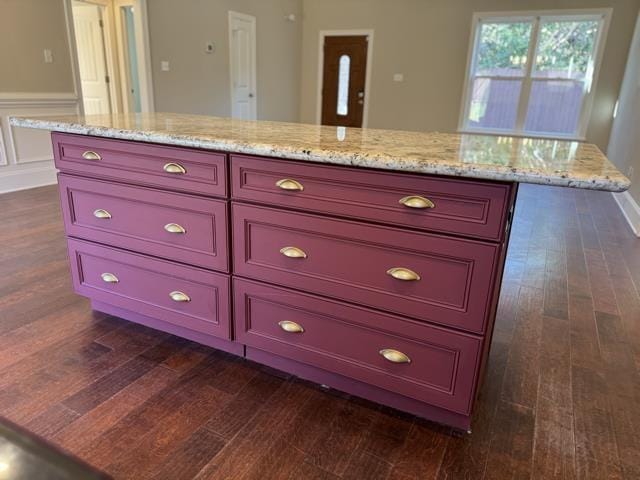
x,y
507,133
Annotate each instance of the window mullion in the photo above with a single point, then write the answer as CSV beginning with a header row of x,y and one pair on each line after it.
x,y
525,90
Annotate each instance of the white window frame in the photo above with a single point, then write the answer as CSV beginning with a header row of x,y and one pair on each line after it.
x,y
603,15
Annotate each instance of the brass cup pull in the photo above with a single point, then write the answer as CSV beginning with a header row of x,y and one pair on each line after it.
x,y
174,228
174,168
403,274
416,201
101,213
291,327
109,278
394,356
91,155
179,297
293,252
288,184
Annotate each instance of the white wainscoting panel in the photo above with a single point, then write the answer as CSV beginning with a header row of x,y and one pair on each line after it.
x,y
26,156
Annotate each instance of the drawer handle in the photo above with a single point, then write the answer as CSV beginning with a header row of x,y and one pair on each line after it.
x,y
101,213
416,201
109,278
174,168
394,356
174,228
288,184
179,297
91,155
291,327
293,252
404,274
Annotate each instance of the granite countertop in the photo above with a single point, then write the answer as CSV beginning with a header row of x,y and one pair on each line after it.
x,y
527,160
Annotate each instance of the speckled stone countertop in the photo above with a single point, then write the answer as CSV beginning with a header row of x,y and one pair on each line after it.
x,y
549,162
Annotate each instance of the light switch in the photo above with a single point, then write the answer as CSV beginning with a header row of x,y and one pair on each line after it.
x,y
164,65
48,56
210,47
398,77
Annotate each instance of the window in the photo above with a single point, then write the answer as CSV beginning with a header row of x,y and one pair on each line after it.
x,y
343,85
532,74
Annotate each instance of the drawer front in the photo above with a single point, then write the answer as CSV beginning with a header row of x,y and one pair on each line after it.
x,y
175,226
471,208
144,285
349,340
174,168
354,261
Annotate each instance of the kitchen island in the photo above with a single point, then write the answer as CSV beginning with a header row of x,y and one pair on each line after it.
x,y
366,260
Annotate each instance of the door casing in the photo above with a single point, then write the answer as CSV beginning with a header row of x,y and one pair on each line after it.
x,y
367,85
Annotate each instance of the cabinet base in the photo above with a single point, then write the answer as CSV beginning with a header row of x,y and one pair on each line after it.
x,y
215,342
307,372
360,389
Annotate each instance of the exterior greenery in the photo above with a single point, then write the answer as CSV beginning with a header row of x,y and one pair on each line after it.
x,y
564,48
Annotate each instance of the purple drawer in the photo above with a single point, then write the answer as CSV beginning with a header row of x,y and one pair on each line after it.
x,y
175,226
463,207
354,261
348,340
173,168
186,296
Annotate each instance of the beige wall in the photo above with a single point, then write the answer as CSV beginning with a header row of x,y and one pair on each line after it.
x,y
199,82
428,42
624,147
27,27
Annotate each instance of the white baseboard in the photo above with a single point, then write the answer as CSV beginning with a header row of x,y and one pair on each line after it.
x,y
24,178
630,210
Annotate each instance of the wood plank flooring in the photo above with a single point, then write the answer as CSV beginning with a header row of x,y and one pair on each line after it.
x,y
561,398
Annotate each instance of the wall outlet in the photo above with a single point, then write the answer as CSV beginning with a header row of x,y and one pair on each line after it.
x,y
48,55
630,172
164,65
210,47
398,77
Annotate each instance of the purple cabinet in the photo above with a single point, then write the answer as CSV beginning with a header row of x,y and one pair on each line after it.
x,y
172,168
426,363
461,207
185,228
189,297
381,284
429,277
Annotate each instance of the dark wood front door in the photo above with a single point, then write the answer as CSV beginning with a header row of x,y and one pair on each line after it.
x,y
343,80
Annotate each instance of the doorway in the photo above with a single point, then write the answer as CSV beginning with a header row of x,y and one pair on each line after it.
x,y
91,48
128,49
110,55
345,60
242,65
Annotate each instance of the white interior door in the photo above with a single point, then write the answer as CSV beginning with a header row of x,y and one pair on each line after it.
x,y
242,58
87,20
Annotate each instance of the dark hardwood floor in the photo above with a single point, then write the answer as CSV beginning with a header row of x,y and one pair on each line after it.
x,y
561,398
